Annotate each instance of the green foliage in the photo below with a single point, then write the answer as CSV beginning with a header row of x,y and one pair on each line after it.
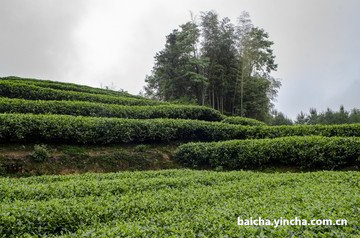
x,y
27,91
67,86
243,121
354,116
178,73
258,93
219,64
79,108
75,150
90,130
257,87
278,118
142,148
178,203
219,47
329,117
40,153
304,152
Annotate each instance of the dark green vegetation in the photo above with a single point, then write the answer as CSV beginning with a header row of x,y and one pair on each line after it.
x,y
175,203
243,121
217,63
304,152
214,62
178,203
280,118
28,91
93,130
329,117
80,108
67,86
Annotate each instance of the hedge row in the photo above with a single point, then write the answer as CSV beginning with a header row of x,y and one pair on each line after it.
x,y
28,91
90,130
100,130
304,152
243,121
67,86
79,108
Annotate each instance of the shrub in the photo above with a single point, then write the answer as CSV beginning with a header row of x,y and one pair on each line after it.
x,y
307,151
177,203
90,130
78,108
243,121
40,153
28,91
67,86
142,148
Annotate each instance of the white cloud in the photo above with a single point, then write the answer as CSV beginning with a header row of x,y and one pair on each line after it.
x,y
102,42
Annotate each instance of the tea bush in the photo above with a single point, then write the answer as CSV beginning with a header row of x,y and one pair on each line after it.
x,y
107,110
32,92
66,86
178,203
305,152
243,121
40,153
92,130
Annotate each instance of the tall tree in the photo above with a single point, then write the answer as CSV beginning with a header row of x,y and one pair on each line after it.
x,y
243,30
178,73
257,63
217,64
210,49
329,117
218,46
278,118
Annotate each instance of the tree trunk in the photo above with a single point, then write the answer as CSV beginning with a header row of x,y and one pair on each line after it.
x,y
222,103
232,106
203,97
213,98
242,91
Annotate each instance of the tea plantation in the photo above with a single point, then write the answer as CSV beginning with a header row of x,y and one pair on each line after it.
x,y
49,130
181,203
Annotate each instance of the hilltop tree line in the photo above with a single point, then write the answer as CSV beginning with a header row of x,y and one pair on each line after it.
x,y
329,117
314,117
211,61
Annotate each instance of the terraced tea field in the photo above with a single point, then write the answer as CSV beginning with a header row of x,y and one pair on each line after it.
x,y
48,129
178,203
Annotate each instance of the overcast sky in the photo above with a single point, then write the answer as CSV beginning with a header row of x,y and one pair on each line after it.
x,y
104,42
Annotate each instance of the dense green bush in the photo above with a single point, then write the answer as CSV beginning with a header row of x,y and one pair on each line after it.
x,y
91,130
78,108
306,151
67,86
243,121
178,203
83,130
28,91
40,153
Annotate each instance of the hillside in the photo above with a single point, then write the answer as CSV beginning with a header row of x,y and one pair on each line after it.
x,y
31,106
36,112
52,128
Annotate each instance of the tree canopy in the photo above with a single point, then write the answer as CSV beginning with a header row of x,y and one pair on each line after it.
x,y
213,62
329,117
